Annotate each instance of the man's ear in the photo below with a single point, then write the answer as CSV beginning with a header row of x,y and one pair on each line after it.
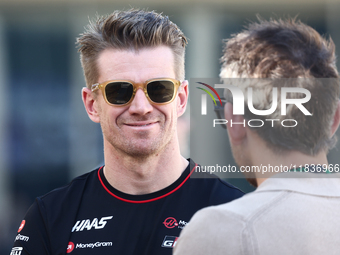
x,y
183,93
336,119
235,125
90,105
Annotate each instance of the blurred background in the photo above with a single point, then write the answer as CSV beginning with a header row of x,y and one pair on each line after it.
x,y
46,138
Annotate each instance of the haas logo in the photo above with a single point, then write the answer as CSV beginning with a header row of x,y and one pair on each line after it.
x,y
88,224
170,222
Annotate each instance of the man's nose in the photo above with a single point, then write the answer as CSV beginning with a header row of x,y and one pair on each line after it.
x,y
140,104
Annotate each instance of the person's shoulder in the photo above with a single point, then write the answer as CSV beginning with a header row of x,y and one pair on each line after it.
x,y
227,229
69,191
228,211
52,215
248,206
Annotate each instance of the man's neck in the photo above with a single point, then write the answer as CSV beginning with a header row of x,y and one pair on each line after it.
x,y
143,175
270,163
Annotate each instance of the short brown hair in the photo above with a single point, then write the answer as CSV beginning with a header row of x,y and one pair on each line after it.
x,y
132,29
288,49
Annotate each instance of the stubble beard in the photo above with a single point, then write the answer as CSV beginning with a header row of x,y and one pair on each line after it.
x,y
143,145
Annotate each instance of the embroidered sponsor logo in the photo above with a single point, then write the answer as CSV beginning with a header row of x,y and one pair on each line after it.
x,y
169,241
16,251
182,224
22,238
93,245
70,247
171,222
88,224
22,225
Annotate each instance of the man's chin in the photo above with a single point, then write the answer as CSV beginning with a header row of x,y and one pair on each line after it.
x,y
141,150
141,154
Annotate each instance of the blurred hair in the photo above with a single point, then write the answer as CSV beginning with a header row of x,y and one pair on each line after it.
x,y
129,30
281,49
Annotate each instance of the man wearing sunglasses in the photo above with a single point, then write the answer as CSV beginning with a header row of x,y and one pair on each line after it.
x,y
143,197
296,205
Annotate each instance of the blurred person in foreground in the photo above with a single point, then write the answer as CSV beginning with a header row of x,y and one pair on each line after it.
x,y
293,211
143,197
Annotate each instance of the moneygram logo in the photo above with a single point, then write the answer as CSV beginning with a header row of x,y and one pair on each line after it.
x,y
22,238
71,246
93,245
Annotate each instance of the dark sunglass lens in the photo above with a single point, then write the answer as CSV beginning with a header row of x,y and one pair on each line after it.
x,y
119,92
161,91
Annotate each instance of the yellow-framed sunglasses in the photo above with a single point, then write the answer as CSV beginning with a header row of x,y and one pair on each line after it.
x,y
121,92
